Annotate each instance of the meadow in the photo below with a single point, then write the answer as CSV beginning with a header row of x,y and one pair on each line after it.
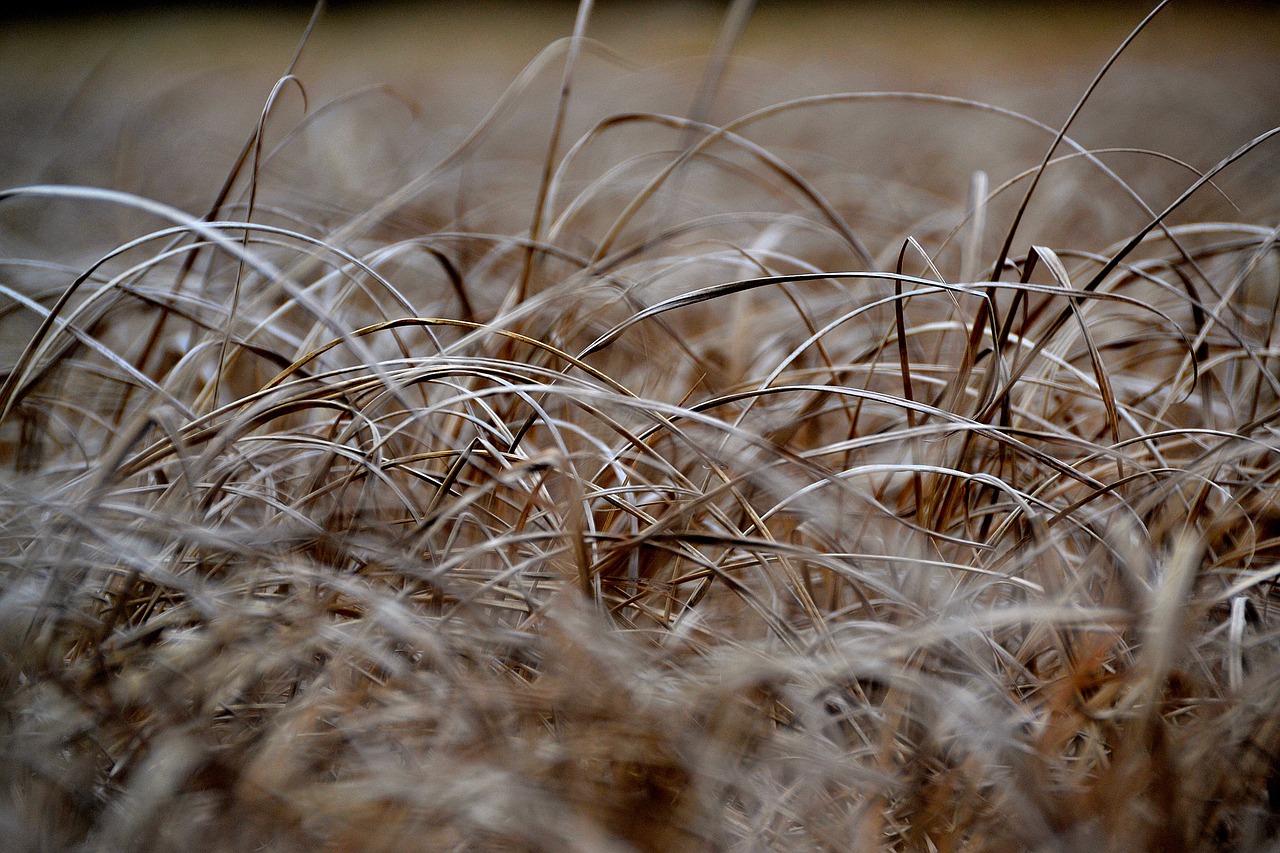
x,y
805,430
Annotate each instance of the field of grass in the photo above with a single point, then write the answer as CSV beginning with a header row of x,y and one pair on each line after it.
x,y
829,430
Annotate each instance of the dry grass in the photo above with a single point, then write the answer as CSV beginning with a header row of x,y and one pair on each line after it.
x,y
665,464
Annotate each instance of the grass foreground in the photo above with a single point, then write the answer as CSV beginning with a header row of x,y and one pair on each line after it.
x,y
668,460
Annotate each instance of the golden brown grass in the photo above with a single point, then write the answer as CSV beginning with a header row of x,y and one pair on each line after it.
x,y
852,471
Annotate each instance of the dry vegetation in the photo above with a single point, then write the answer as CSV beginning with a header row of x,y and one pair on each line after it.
x,y
665,464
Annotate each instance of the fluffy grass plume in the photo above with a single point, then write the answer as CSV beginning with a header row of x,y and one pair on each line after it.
x,y
664,463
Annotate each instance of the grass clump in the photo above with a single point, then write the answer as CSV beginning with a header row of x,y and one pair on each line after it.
x,y
629,478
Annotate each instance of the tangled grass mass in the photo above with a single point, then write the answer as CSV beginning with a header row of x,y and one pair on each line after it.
x,y
651,468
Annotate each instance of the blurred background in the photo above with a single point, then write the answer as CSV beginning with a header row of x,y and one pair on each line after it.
x,y
129,93
59,7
